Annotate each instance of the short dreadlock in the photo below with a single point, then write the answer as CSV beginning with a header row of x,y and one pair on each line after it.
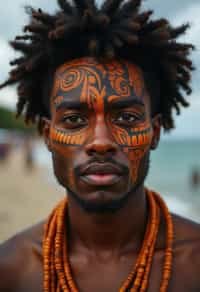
x,y
117,29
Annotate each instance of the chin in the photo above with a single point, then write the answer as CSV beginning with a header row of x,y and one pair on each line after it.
x,y
101,202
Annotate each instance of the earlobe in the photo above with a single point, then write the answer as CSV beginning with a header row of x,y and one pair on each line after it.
x,y
156,124
46,132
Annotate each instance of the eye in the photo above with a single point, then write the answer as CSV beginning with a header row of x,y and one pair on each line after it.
x,y
73,121
125,118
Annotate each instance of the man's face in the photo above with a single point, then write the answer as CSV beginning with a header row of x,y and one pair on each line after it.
x,y
101,131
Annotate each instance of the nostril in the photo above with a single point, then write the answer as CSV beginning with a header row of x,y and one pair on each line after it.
x,y
90,151
95,148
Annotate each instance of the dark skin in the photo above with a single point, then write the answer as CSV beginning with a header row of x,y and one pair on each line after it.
x,y
107,219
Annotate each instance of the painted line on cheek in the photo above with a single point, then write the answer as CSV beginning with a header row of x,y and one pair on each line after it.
x,y
59,137
62,138
65,139
134,140
140,139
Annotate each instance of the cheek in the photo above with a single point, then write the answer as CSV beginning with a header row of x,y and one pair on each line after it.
x,y
63,166
64,149
135,157
135,144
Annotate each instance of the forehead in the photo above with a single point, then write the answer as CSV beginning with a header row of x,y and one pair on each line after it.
x,y
86,79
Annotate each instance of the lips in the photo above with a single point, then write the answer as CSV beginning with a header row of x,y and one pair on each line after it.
x,y
103,174
101,168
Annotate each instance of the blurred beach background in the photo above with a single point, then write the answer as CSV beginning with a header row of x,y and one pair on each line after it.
x,y
28,189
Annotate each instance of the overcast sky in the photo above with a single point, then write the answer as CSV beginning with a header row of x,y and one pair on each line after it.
x,y
12,18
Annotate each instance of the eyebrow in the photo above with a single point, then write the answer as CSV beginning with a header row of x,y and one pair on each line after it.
x,y
68,104
126,102
115,104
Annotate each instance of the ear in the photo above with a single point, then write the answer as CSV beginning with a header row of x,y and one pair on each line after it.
x,y
156,125
46,125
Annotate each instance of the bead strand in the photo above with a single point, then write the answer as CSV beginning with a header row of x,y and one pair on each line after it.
x,y
47,246
57,270
58,249
150,259
152,206
67,268
167,267
131,275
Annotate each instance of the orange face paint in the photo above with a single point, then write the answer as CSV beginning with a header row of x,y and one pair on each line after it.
x,y
99,86
135,144
61,137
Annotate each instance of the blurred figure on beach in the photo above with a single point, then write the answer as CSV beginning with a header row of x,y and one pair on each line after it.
x,y
28,153
195,178
5,146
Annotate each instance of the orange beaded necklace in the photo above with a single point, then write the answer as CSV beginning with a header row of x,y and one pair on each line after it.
x,y
57,272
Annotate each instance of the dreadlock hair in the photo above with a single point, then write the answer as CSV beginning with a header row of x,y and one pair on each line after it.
x,y
117,29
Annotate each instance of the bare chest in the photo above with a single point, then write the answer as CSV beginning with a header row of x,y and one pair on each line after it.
x,y
111,276
97,276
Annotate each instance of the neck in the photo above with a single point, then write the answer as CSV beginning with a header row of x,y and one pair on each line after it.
x,y
114,232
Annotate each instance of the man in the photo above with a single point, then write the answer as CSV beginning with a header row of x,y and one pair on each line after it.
x,y
100,83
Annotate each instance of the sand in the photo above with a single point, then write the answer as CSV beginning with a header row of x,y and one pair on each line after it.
x,y
26,197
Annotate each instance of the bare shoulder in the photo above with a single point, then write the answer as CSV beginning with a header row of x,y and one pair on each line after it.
x,y
18,256
187,248
186,230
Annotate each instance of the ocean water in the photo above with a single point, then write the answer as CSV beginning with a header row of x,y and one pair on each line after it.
x,y
171,168
170,174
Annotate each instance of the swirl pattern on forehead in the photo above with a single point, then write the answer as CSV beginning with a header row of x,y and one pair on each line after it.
x,y
88,79
118,80
120,85
71,79
124,78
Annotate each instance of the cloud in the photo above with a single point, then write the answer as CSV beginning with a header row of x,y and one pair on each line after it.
x,y
8,97
191,15
6,54
13,16
168,9
190,118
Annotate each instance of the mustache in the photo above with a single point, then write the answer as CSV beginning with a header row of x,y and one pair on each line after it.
x,y
123,168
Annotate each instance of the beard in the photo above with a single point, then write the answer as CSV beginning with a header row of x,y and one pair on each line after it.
x,y
113,205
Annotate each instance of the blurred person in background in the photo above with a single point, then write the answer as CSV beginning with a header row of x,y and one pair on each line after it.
x,y
195,178
100,83
28,153
5,146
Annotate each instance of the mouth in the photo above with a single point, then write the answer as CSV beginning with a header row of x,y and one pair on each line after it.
x,y
101,179
101,174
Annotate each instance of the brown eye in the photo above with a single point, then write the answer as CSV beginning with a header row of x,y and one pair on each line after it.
x,y
125,118
74,121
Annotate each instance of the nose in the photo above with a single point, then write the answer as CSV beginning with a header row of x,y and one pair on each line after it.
x,y
101,142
